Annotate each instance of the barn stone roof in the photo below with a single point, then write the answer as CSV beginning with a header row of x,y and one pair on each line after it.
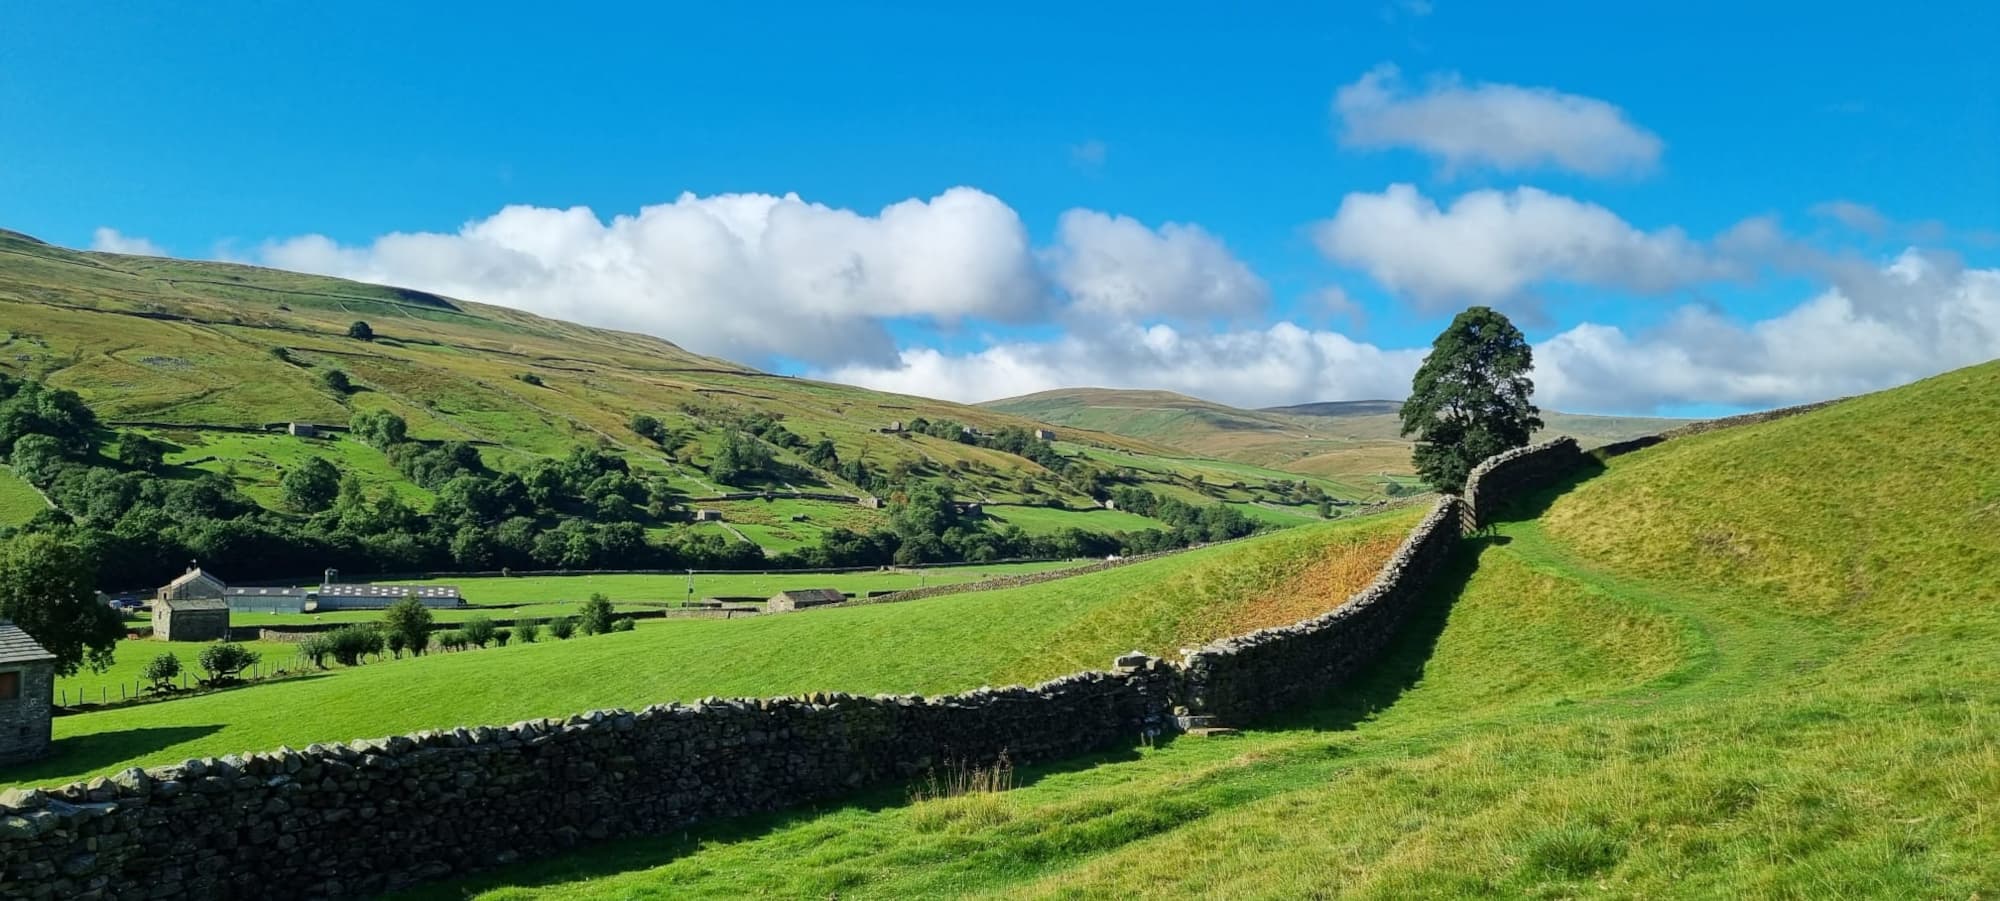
x,y
196,574
180,604
17,646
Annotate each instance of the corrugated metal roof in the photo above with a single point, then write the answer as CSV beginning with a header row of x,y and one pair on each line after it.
x,y
179,604
388,591
16,646
253,591
812,594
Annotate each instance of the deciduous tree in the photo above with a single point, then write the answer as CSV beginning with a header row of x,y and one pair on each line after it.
x,y
1469,400
46,588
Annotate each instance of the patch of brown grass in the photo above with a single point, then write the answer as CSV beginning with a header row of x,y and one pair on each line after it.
x,y
1326,584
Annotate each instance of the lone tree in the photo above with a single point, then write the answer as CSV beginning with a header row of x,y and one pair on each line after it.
x,y
1469,400
47,588
224,661
360,331
412,620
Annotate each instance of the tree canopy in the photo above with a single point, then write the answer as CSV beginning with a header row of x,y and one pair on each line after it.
x,y
1469,400
47,588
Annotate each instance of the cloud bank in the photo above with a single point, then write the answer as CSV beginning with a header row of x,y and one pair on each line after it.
x,y
760,277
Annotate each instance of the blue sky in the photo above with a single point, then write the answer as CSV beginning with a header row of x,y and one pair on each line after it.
x,y
1646,140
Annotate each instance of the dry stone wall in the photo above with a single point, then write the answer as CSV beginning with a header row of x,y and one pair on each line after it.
x,y
1506,477
359,819
1252,675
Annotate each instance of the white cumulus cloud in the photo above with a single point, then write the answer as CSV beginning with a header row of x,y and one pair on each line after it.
x,y
1490,246
747,276
110,240
1502,126
754,277
1116,266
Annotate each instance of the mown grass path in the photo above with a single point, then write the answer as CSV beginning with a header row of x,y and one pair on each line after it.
x,y
1563,728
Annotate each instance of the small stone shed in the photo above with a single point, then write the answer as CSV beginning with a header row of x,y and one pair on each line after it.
x,y
191,619
802,599
27,696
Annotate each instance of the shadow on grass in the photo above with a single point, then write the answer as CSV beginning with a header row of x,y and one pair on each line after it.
x,y
95,752
643,852
1402,663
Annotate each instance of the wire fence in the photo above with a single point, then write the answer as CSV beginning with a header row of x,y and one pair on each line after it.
x,y
140,688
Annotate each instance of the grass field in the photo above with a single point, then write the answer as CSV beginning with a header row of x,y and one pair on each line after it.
x,y
1047,520
942,644
644,587
1282,517
257,462
19,501
1742,664
132,656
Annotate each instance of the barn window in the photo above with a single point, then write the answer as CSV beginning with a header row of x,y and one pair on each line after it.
x,y
10,685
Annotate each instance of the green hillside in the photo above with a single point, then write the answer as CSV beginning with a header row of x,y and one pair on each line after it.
x,y
212,360
1758,662
1355,443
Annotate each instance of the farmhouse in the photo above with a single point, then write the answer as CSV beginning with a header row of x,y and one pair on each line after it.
x,y
302,430
27,695
1044,435
803,598
190,619
708,516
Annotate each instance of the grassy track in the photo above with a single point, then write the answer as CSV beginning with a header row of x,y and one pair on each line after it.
x,y
1570,730
1742,664
943,644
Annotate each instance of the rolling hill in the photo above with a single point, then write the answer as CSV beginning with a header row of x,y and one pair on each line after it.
x,y
1351,441
214,359
1761,661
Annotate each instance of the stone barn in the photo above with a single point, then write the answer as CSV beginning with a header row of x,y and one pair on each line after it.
x,y
191,619
27,696
802,599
